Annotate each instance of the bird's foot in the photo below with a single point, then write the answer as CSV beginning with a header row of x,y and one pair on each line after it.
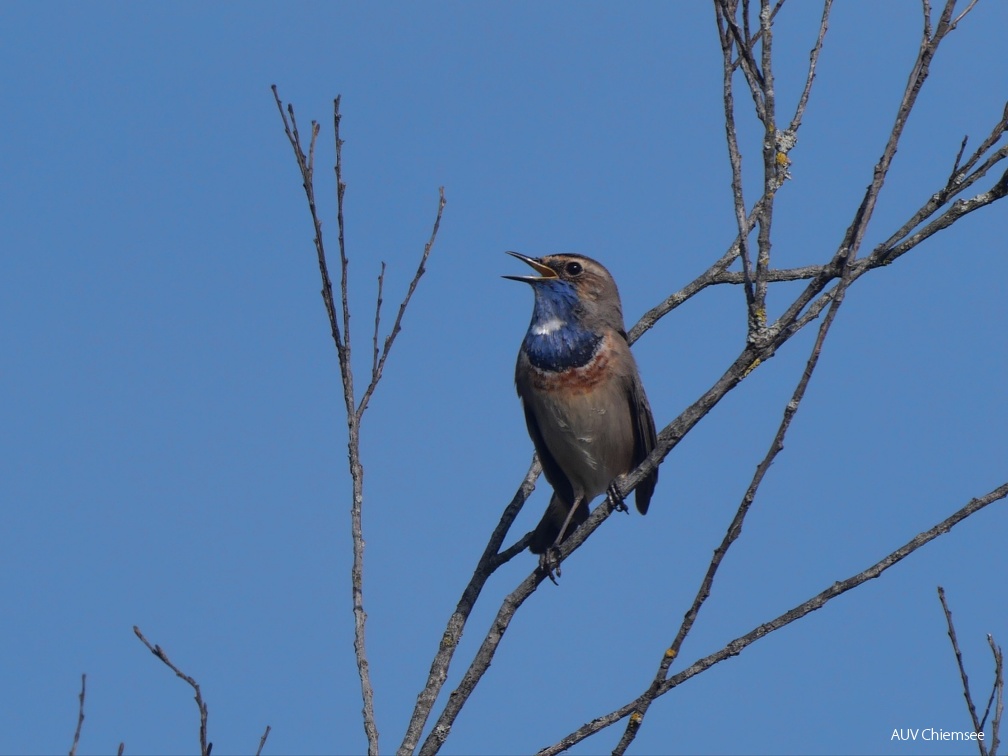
x,y
616,498
549,563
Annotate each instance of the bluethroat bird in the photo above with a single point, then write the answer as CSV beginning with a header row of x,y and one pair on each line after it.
x,y
584,402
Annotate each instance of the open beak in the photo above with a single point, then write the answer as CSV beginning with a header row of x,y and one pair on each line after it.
x,y
544,271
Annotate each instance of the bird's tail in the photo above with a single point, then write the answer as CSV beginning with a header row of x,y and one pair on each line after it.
x,y
548,529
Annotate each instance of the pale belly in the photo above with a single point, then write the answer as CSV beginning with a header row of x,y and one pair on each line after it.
x,y
589,434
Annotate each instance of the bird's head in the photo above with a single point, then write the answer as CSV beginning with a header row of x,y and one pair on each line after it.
x,y
573,287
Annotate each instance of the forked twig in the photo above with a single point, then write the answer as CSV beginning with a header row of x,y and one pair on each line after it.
x,y
997,692
341,338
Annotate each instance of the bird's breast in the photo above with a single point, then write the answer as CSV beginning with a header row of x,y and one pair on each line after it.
x,y
583,415
575,379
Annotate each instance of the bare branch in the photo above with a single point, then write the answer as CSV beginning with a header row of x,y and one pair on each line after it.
x,y
735,647
341,337
307,177
205,747
773,275
977,727
80,716
735,528
481,662
262,741
344,282
759,32
377,322
962,15
773,172
997,693
919,73
813,62
735,158
491,559
732,35
397,326
955,166
701,282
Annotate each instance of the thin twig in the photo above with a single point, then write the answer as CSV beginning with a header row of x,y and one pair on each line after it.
x,y
80,716
377,322
977,727
955,166
205,747
810,76
307,170
759,33
724,23
773,171
344,264
919,73
997,693
262,741
962,15
737,646
733,36
397,326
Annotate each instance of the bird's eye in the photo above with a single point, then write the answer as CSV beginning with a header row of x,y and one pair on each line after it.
x,y
573,268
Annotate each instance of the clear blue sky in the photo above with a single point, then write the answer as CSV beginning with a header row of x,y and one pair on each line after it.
x,y
173,452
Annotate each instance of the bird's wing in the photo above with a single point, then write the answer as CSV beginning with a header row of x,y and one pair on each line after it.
x,y
645,440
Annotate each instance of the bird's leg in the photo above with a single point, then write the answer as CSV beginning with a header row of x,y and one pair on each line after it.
x,y
616,497
570,516
549,563
549,560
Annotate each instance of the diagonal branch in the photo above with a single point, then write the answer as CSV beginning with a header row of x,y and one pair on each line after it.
x,y
491,559
737,646
735,528
262,740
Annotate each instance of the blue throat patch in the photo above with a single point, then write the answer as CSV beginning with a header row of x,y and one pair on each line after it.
x,y
569,345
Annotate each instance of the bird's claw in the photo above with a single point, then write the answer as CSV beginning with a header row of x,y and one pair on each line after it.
x,y
616,498
549,563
